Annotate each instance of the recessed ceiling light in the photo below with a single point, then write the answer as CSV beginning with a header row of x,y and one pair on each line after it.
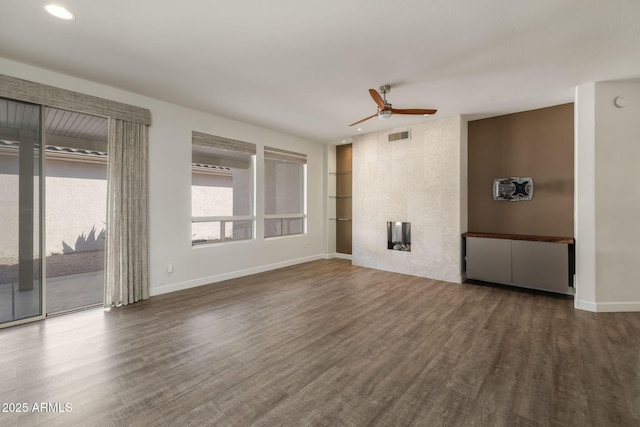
x,y
359,129
59,12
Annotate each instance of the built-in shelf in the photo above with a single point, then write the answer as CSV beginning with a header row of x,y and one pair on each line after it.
x,y
342,200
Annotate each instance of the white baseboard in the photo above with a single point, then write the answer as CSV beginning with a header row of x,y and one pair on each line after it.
x,y
340,256
163,289
585,305
607,307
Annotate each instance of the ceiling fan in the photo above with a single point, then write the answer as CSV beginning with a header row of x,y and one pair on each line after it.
x,y
384,108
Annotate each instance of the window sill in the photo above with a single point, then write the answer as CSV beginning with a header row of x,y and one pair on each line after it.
x,y
288,236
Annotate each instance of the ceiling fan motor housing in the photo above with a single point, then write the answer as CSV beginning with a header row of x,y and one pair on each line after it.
x,y
384,114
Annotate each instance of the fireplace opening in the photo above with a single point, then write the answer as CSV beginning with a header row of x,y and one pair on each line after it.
x,y
399,236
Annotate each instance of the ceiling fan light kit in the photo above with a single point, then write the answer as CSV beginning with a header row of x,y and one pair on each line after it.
x,y
385,110
384,114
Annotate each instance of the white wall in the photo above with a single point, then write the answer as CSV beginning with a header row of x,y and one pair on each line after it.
x,y
76,206
607,197
170,182
421,181
76,200
585,220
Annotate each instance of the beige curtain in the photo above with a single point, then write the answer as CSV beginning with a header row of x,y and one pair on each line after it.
x,y
127,266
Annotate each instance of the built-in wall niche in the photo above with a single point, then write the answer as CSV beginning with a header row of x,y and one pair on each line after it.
x,y
399,236
342,199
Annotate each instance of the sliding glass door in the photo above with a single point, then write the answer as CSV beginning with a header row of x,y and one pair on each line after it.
x,y
76,209
67,204
20,192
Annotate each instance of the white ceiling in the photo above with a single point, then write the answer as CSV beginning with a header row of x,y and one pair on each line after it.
x,y
304,67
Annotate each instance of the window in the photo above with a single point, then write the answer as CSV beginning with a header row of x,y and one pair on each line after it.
x,y
221,189
284,192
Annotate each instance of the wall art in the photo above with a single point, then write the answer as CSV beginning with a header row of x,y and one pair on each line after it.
x,y
514,189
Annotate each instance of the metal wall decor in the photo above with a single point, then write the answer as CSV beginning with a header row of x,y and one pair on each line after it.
x,y
514,189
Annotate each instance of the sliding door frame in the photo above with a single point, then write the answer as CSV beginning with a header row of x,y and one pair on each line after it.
x,y
25,91
41,220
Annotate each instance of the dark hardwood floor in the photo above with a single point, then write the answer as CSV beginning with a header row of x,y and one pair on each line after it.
x,y
328,344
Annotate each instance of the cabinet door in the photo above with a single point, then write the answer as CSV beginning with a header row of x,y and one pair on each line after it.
x,y
541,265
489,259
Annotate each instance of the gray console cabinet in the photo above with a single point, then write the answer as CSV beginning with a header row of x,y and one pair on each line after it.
x,y
489,260
525,263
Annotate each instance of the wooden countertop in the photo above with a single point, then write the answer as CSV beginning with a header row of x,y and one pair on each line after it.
x,y
549,239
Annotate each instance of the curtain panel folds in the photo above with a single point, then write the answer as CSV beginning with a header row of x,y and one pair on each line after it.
x,y
127,264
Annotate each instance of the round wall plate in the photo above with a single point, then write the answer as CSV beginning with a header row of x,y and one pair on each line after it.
x,y
620,101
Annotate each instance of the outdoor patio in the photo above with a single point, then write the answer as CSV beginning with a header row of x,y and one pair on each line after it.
x,y
73,280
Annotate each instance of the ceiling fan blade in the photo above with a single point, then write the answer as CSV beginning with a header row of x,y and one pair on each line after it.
x,y
377,98
413,111
365,119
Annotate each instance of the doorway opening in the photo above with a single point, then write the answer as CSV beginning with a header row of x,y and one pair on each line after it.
x,y
75,209
53,177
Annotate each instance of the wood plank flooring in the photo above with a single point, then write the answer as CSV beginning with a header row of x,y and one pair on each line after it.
x,y
328,344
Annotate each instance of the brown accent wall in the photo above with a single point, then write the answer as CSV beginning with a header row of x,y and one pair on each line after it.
x,y
536,143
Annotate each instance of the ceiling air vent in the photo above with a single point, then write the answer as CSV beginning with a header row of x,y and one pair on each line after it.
x,y
400,136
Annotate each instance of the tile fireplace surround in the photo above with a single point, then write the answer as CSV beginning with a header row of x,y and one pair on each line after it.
x,y
419,181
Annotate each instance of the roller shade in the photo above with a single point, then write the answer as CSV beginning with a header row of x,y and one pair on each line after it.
x,y
271,153
222,143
